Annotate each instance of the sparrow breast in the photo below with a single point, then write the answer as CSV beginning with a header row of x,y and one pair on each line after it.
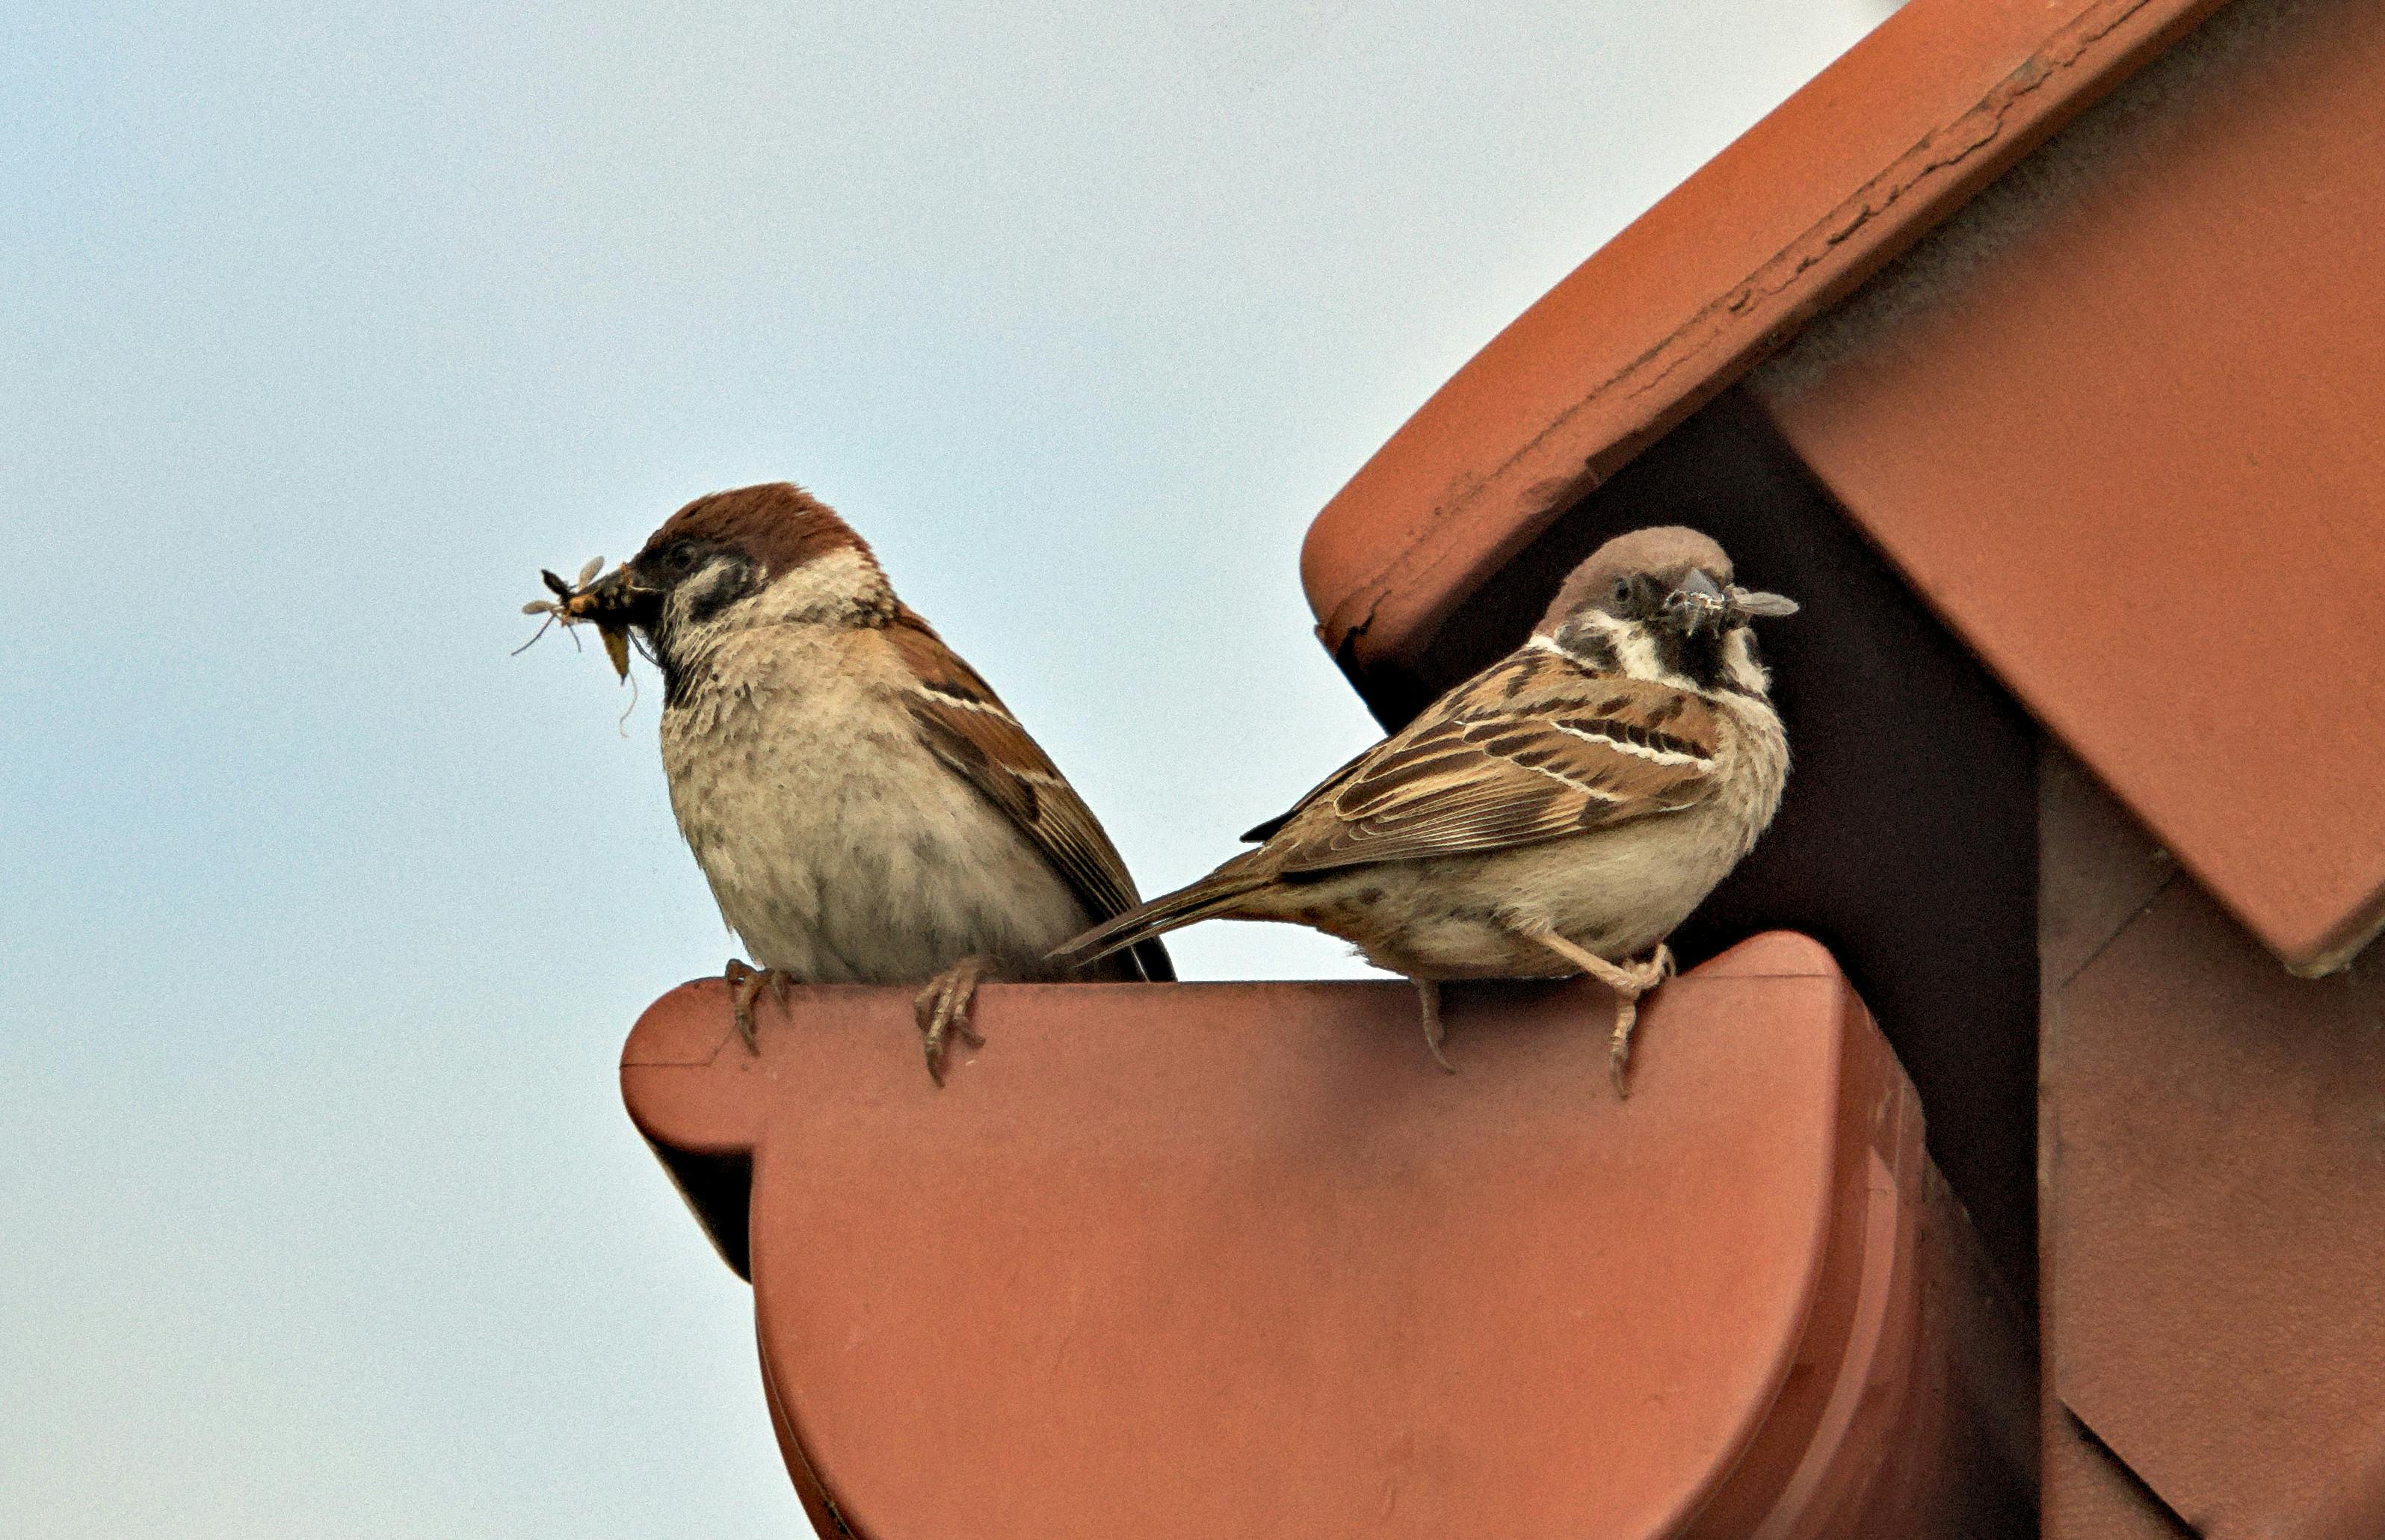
x,y
837,846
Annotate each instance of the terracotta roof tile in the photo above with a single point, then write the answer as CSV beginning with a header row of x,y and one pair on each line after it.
x,y
1212,1259
1898,133
2118,421
2216,1315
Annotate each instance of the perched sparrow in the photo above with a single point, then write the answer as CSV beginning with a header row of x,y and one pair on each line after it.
x,y
1559,812
864,808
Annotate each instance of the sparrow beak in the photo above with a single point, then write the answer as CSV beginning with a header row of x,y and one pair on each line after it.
x,y
613,603
1697,603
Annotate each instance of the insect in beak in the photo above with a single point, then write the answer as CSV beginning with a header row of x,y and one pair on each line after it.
x,y
1697,604
1750,603
585,599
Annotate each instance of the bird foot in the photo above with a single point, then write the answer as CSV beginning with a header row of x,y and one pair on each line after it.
x,y
942,1010
1428,996
744,982
1618,1048
1630,981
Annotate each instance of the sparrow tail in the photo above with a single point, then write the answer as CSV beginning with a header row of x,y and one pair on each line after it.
x,y
1211,896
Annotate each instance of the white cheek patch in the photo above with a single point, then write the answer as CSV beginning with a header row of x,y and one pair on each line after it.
x,y
696,593
828,588
823,588
1635,654
1739,658
688,635
1636,651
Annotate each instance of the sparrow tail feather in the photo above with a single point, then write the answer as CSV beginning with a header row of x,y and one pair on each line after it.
x,y
1211,896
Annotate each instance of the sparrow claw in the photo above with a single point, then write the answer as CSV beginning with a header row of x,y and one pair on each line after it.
x,y
942,1011
1618,1052
1638,979
744,982
1428,996
1628,980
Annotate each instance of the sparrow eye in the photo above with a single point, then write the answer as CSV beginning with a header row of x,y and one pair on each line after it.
x,y
681,556
1622,590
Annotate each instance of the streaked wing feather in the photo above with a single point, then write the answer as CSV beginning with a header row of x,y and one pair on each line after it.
x,y
1532,748
966,725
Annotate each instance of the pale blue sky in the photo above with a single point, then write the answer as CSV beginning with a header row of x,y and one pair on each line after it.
x,y
321,918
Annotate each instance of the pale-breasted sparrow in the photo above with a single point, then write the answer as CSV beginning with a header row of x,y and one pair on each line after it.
x,y
1561,811
864,806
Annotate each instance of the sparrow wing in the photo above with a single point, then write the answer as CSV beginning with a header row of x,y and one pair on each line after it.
x,y
1533,748
966,725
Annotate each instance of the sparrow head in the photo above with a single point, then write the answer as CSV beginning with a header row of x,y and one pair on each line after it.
x,y
1659,601
771,554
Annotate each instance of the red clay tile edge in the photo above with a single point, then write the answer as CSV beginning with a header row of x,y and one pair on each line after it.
x,y
688,1084
1491,459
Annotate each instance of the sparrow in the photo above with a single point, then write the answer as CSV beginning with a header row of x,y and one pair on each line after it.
x,y
864,806
1559,812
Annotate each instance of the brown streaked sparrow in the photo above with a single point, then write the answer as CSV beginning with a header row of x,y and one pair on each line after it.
x,y
864,808
1559,812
